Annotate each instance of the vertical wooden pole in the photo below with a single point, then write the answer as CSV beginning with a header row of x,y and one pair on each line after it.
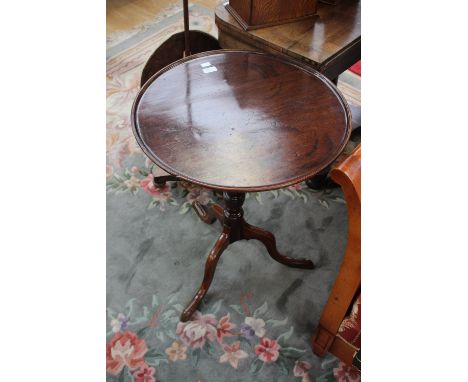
x,y
186,29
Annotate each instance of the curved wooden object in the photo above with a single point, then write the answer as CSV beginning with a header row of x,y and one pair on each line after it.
x,y
269,241
253,121
348,281
210,267
234,228
238,121
172,50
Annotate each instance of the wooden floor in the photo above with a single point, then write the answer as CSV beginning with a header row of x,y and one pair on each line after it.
x,y
127,14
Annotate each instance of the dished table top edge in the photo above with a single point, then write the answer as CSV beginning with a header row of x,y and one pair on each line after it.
x,y
287,182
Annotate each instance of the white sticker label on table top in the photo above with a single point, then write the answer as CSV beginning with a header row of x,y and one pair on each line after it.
x,y
210,69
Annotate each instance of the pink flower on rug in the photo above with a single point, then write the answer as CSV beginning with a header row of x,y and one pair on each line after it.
x,y
344,373
301,369
196,332
144,374
198,194
267,350
233,354
224,328
159,193
125,349
176,351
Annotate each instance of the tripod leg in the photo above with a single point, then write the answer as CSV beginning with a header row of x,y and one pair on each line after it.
x,y
210,267
268,240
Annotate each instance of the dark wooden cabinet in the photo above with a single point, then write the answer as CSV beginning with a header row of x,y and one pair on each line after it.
x,y
253,14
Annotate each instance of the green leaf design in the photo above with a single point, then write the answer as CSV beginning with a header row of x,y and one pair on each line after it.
x,y
195,357
288,192
156,361
209,349
125,375
285,336
323,202
160,336
178,307
258,196
337,199
128,310
172,297
185,208
237,308
303,196
168,314
261,310
153,203
153,353
153,357
275,193
216,307
143,331
244,340
256,366
111,313
155,301
290,352
275,323
282,365
329,361
327,377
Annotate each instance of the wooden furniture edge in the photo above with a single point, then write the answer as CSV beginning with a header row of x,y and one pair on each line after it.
x,y
226,28
248,27
333,68
286,60
330,67
348,281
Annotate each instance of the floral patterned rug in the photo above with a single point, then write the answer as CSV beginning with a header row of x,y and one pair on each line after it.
x,y
256,321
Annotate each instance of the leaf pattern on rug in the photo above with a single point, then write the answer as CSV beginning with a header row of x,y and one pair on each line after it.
x,y
224,334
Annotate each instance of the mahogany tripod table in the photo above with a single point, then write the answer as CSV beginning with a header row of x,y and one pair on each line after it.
x,y
237,122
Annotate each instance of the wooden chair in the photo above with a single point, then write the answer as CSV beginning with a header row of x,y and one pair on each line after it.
x,y
343,306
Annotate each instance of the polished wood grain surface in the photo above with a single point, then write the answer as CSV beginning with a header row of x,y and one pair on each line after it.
x,y
253,14
253,122
329,42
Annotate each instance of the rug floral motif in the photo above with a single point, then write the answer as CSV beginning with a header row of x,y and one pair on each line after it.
x,y
143,339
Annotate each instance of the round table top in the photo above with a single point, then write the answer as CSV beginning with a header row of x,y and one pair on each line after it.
x,y
240,121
